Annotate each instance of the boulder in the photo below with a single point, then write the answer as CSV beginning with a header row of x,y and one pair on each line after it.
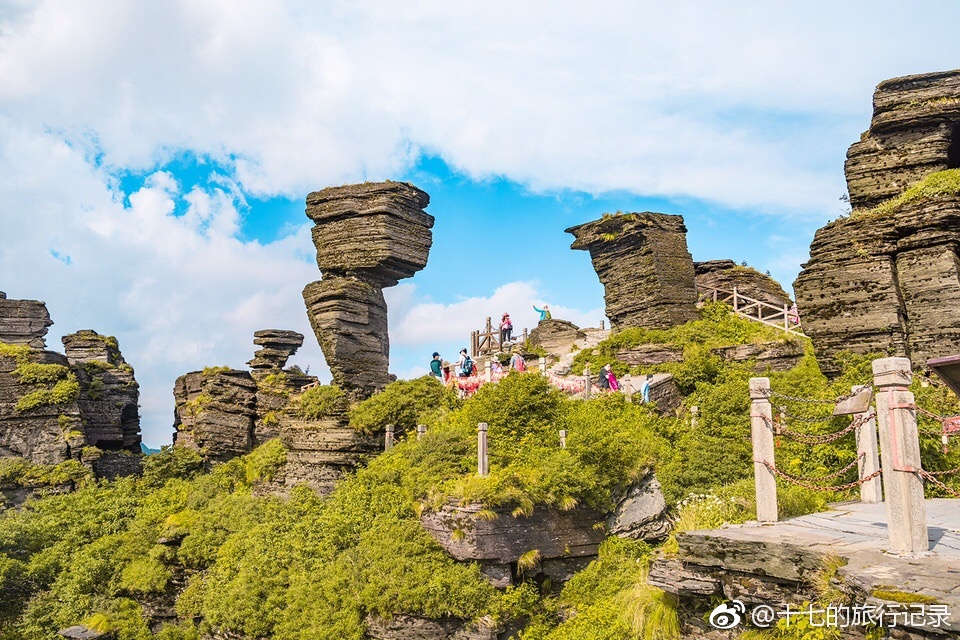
x,y
641,512
645,267
322,452
504,539
24,322
915,131
556,337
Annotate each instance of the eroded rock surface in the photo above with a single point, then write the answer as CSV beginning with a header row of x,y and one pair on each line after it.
x,y
109,393
215,412
368,236
641,512
915,131
556,336
24,322
726,274
276,347
888,280
645,267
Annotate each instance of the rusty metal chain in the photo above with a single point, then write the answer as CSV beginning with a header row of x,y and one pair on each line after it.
x,y
808,438
927,475
948,472
803,482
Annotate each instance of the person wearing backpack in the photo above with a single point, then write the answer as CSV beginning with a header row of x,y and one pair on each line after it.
x,y
517,363
465,364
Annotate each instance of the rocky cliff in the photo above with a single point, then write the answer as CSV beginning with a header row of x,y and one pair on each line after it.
x,y
915,131
368,236
645,267
887,279
53,408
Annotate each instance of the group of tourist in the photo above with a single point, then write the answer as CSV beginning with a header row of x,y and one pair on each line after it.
x,y
608,382
465,367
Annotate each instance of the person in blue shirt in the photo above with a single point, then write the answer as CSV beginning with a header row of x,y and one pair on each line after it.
x,y
544,313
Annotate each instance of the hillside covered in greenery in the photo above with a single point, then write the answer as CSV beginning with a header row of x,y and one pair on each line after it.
x,y
198,552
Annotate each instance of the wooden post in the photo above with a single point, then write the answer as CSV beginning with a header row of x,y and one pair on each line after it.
x,y
474,344
388,438
761,423
735,303
524,335
543,366
900,455
563,438
871,491
483,464
421,431
488,374
694,413
601,325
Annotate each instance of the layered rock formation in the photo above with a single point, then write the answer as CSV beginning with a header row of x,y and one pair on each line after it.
x,y
368,236
321,452
888,279
556,336
915,131
109,393
53,408
23,322
726,274
215,412
276,347
645,267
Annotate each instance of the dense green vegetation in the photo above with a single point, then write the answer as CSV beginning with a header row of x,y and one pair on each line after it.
x,y
309,567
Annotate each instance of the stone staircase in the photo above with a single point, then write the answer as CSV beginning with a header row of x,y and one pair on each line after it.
x,y
593,338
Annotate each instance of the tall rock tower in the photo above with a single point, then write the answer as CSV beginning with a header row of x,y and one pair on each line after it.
x,y
645,267
368,237
887,278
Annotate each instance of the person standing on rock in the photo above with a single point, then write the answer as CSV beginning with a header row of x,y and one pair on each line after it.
x,y
544,313
436,366
506,329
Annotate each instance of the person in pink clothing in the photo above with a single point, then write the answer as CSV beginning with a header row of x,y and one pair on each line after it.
x,y
506,329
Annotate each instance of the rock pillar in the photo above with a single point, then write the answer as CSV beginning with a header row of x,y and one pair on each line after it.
x,y
368,237
645,267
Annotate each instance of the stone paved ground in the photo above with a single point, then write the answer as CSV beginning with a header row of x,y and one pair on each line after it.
x,y
858,532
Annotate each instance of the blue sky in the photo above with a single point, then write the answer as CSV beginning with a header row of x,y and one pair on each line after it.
x,y
155,157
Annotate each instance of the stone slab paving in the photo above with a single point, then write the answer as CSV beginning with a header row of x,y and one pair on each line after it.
x,y
858,533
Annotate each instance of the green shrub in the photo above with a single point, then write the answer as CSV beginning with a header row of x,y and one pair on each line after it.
x,y
63,392
322,401
172,462
404,404
34,373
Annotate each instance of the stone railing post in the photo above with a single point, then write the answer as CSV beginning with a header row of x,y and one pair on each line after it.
x,y
736,302
543,366
871,491
761,426
563,438
694,414
900,456
626,386
388,439
587,383
488,373
421,431
483,463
